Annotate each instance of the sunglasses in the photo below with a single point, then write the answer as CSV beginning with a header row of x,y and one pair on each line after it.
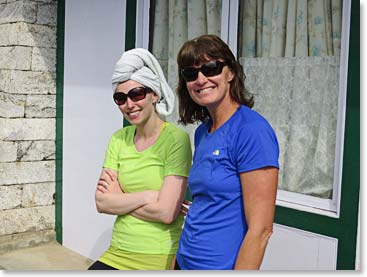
x,y
135,94
209,69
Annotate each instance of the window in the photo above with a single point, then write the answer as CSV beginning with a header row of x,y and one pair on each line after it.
x,y
291,52
294,54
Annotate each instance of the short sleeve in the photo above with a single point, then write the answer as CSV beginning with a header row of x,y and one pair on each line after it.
x,y
179,156
256,147
112,154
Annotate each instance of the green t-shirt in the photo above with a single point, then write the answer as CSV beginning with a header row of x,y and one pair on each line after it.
x,y
145,170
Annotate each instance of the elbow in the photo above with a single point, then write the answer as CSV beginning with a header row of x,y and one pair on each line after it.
x,y
99,207
262,235
168,217
99,204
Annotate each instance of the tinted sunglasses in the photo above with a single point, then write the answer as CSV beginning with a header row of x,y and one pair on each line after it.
x,y
209,69
135,94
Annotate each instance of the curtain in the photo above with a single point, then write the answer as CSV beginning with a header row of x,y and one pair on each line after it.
x,y
175,22
294,28
290,52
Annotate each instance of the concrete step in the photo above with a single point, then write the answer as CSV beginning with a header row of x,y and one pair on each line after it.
x,y
50,256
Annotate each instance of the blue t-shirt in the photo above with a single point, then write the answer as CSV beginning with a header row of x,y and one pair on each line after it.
x,y
215,225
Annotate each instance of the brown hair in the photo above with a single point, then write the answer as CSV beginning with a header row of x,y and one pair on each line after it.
x,y
196,52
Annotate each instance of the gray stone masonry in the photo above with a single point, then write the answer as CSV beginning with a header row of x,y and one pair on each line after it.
x,y
27,122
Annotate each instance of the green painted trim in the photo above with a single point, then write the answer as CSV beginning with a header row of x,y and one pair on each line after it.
x,y
130,33
345,227
351,161
59,115
130,27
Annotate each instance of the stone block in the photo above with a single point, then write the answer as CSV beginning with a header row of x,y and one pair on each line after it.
x,y
47,14
27,129
4,79
27,172
40,194
25,240
40,106
36,150
8,151
19,11
44,59
27,219
11,197
27,34
27,82
12,105
15,57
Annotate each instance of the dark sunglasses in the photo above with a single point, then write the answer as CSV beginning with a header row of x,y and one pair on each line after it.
x,y
209,69
135,94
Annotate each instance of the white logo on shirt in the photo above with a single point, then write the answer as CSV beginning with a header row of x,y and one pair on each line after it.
x,y
216,152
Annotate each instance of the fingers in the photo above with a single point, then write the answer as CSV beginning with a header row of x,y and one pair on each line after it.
x,y
101,188
104,184
110,173
187,202
185,207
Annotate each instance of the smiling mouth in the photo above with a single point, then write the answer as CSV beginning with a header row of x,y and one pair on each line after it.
x,y
132,114
204,90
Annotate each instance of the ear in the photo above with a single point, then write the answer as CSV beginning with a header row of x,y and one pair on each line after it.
x,y
155,98
230,76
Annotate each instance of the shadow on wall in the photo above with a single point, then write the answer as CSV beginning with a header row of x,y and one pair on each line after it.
x,y
97,250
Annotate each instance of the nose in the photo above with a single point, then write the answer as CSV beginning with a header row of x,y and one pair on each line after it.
x,y
129,103
201,79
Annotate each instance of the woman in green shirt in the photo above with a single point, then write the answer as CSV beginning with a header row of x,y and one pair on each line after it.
x,y
145,171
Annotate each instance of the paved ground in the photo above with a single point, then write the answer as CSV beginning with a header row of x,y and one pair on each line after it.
x,y
51,256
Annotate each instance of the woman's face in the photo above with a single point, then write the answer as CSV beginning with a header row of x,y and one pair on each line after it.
x,y
210,91
137,113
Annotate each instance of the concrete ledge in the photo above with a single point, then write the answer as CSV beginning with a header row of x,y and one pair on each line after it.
x,y
25,240
51,256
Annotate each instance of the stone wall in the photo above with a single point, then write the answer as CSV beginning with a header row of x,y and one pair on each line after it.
x,y
27,122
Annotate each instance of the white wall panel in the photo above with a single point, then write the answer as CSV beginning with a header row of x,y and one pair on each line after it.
x,y
94,40
294,249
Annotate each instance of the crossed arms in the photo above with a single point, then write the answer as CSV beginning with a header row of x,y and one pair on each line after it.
x,y
163,205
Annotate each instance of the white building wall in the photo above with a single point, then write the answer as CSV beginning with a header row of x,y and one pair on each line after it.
x,y
94,40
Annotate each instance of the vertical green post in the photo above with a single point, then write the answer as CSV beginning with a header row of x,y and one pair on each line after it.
x,y
130,33
59,115
351,160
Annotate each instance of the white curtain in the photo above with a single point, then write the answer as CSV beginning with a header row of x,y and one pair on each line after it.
x,y
290,51
290,28
176,21
299,97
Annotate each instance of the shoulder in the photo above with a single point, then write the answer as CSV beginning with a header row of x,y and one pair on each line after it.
x,y
123,133
250,128
250,121
175,133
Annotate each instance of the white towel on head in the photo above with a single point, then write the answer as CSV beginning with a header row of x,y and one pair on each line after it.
x,y
141,66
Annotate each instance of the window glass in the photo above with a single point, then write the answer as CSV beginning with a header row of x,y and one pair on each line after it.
x,y
290,51
172,23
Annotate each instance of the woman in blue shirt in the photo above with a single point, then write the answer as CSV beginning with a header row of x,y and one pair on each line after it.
x,y
234,176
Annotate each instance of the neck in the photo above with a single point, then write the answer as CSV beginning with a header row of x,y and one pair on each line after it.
x,y
221,113
150,128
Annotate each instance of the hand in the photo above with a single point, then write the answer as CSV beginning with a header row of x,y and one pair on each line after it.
x,y
185,207
108,182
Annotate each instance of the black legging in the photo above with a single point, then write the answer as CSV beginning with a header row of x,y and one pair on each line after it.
x,y
177,267
101,266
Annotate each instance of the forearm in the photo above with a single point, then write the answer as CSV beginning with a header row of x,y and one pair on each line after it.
x,y
155,212
252,250
119,203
